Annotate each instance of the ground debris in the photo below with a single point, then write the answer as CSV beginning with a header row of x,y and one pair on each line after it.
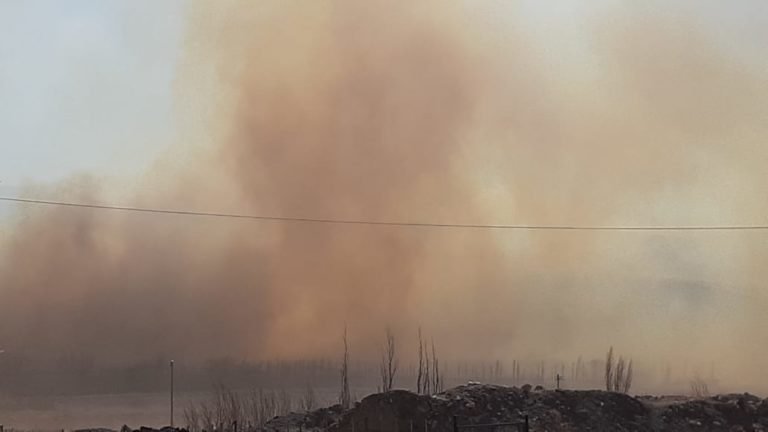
x,y
318,420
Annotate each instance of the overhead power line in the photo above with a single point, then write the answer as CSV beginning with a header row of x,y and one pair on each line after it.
x,y
387,223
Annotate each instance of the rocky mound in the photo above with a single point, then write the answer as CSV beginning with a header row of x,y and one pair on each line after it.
x,y
547,410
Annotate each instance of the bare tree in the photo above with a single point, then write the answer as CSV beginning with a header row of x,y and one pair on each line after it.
x,y
309,400
192,418
420,373
618,378
618,374
344,396
285,403
579,369
699,387
437,378
389,362
427,383
609,370
627,384
227,408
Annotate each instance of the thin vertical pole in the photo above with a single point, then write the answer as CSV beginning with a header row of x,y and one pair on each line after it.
x,y
171,393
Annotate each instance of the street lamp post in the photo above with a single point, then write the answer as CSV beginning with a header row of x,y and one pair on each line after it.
x,y
2,351
171,393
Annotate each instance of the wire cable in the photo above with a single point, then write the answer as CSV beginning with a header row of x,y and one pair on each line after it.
x,y
385,223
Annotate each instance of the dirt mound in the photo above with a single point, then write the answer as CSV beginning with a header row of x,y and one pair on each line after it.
x,y
546,410
475,404
732,412
319,420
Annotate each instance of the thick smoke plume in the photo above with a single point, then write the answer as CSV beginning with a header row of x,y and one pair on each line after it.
x,y
430,112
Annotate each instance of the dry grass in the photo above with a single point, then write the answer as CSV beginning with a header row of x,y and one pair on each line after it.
x,y
229,410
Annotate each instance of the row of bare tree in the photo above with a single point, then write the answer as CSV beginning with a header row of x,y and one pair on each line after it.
x,y
618,373
429,378
227,408
230,410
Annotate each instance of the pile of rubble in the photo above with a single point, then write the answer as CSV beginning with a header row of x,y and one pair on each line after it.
x,y
485,404
319,420
731,412
547,410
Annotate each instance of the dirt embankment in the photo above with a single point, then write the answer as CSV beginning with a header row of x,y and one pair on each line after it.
x,y
547,410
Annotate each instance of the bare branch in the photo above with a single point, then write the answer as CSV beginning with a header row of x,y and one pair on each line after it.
x,y
389,362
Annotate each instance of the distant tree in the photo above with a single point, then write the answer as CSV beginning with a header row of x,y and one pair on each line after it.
x,y
618,378
627,383
618,374
437,378
309,400
389,362
344,396
420,373
427,383
609,370
699,387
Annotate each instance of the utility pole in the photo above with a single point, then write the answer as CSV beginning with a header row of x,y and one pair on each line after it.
x,y
2,351
171,393
559,378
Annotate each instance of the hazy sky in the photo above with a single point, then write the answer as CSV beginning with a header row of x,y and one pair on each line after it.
x,y
86,85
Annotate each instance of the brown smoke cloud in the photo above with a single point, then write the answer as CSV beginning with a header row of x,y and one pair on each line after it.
x,y
427,112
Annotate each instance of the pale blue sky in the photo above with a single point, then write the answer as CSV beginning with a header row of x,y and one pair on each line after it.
x,y
86,85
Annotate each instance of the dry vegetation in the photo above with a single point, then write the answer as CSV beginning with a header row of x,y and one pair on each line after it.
x,y
618,375
429,378
699,387
389,362
344,395
231,410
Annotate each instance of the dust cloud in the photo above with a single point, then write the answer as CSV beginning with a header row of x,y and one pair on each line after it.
x,y
426,112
